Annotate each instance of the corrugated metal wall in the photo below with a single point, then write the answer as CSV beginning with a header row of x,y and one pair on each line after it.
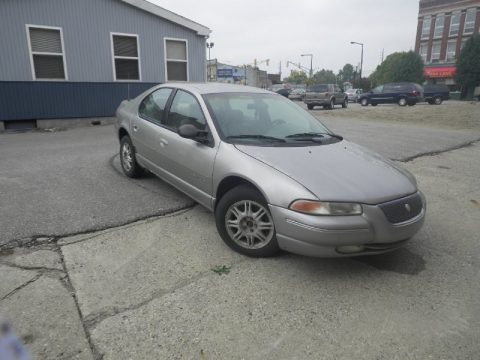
x,y
86,28
52,100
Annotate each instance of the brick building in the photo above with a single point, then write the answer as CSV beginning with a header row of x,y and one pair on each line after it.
x,y
443,28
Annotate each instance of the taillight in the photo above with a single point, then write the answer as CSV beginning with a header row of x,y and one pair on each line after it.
x,y
415,92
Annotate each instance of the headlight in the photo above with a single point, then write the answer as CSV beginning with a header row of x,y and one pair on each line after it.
x,y
325,208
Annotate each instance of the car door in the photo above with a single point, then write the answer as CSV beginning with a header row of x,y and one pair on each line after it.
x,y
186,163
147,125
376,95
339,96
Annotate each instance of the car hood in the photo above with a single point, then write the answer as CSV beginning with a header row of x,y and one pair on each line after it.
x,y
343,171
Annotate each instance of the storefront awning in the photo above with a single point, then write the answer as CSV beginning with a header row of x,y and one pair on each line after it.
x,y
439,72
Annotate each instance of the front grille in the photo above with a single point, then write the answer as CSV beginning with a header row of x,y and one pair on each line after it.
x,y
403,209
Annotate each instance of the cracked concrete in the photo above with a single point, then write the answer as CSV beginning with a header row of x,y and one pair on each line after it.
x,y
146,289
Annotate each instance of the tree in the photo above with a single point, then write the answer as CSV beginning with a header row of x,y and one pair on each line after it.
x,y
296,77
468,66
325,77
399,67
346,74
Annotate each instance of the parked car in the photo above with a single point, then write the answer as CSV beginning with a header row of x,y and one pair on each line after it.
x,y
275,177
326,95
395,93
297,94
283,92
353,94
436,94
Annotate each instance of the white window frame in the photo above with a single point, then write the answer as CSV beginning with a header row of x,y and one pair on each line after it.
x,y
31,53
112,34
425,45
470,22
432,59
423,35
459,22
165,39
442,27
447,58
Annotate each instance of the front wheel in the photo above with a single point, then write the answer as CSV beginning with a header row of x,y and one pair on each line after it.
x,y
128,159
364,102
345,103
245,224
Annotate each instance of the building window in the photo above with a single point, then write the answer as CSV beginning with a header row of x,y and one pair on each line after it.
x,y
439,24
176,60
436,46
470,17
454,24
423,51
46,52
427,22
451,50
126,57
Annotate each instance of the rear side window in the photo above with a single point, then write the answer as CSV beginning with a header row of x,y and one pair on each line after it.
x,y
318,88
185,110
153,106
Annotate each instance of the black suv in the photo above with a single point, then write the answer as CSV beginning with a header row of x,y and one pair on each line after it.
x,y
400,93
436,94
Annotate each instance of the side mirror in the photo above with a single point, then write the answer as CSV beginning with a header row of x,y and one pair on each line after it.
x,y
191,132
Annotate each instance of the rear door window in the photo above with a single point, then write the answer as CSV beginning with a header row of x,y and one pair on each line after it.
x,y
153,106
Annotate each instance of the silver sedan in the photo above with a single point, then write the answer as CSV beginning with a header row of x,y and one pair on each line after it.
x,y
275,177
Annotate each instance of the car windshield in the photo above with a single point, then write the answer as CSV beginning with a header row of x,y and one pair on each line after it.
x,y
266,119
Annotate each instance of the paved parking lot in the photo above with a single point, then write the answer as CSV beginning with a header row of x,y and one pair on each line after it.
x,y
146,290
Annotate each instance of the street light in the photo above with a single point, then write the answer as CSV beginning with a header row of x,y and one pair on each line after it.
x,y
311,61
361,59
209,46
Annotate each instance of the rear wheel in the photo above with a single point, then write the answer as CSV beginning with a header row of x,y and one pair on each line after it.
x,y
310,106
402,101
128,160
437,100
245,224
430,102
331,106
374,104
364,102
345,103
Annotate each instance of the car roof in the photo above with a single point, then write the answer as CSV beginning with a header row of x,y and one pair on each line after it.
x,y
211,88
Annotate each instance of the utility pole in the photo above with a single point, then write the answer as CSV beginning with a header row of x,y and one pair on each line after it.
x,y
361,59
311,63
209,46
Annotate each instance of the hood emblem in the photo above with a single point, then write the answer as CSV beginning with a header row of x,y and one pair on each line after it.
x,y
407,207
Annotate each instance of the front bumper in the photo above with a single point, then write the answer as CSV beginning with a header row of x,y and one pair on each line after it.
x,y
321,236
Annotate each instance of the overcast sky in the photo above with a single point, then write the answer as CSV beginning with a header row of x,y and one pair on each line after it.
x,y
282,30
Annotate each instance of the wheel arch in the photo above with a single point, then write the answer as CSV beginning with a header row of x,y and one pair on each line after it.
x,y
122,132
232,181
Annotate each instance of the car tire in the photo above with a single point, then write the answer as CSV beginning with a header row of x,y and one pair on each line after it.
x,y
437,100
364,102
411,103
310,106
402,101
430,102
374,104
128,160
345,103
238,216
331,106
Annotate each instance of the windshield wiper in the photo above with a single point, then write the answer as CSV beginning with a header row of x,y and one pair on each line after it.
x,y
255,136
312,135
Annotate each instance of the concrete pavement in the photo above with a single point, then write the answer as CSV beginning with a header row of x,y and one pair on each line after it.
x,y
147,290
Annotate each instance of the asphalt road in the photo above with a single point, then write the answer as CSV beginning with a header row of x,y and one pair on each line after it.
x,y
68,182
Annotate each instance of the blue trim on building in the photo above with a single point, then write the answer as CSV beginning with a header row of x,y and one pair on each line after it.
x,y
20,100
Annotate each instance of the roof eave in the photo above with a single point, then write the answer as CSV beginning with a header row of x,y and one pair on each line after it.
x,y
171,16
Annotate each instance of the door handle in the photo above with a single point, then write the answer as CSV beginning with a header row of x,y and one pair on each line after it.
x,y
163,142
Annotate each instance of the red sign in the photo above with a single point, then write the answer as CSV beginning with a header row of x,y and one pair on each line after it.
x,y
439,72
